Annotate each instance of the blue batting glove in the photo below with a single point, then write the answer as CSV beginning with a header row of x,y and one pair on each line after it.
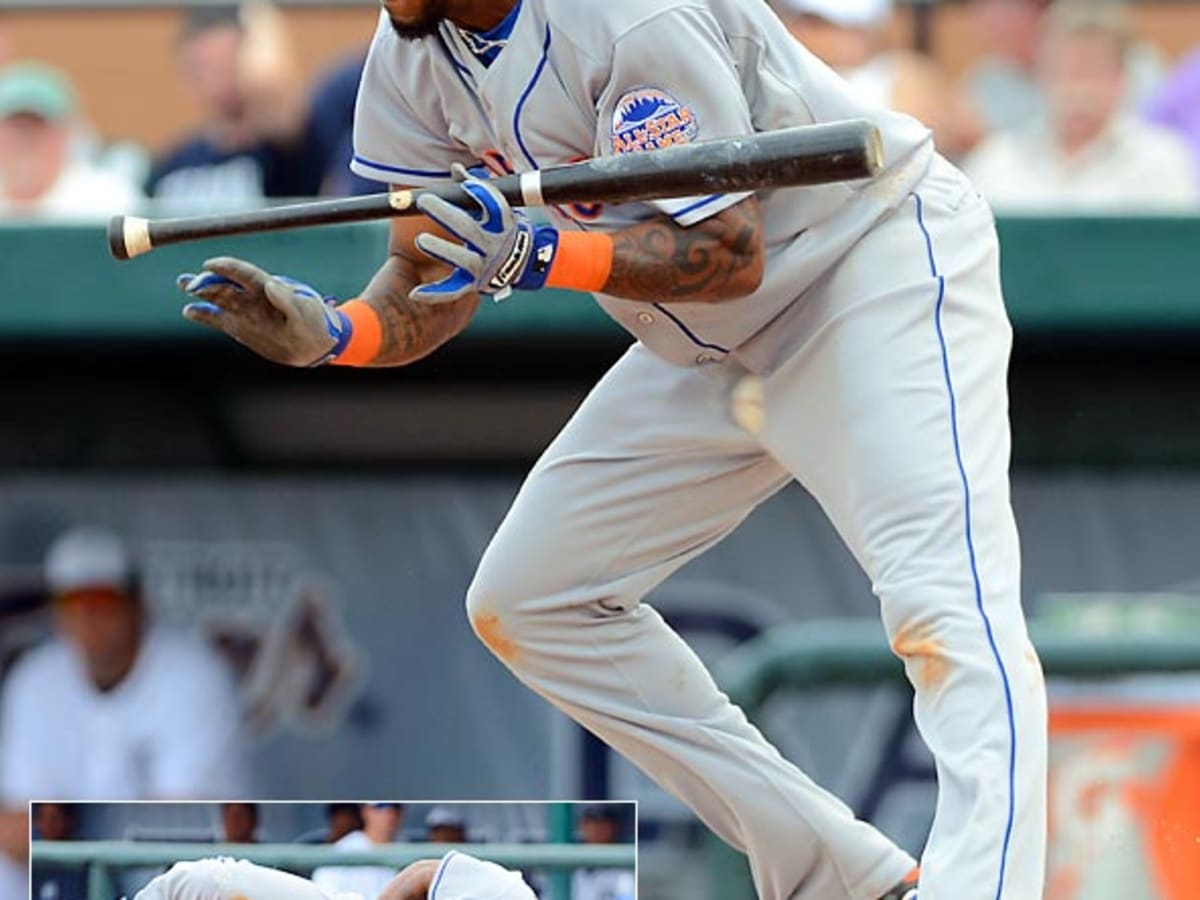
x,y
497,248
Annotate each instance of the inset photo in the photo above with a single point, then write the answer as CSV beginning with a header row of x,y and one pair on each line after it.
x,y
375,850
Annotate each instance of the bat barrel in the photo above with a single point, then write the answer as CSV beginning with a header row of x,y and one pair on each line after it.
x,y
805,155
791,157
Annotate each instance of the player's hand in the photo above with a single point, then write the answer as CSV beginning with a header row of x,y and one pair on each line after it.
x,y
280,319
496,248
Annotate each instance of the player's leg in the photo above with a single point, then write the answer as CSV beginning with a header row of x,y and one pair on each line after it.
x,y
898,400
649,473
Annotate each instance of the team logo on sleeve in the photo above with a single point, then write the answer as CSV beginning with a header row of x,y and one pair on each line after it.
x,y
651,119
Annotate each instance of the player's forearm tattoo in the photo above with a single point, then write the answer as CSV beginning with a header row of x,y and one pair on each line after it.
x,y
719,259
411,330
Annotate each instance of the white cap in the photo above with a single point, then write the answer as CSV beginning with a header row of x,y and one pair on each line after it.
x,y
847,13
441,816
86,558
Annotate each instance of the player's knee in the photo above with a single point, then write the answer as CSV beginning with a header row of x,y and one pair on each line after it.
x,y
494,615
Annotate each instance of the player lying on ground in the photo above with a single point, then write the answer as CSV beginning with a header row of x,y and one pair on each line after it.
x,y
456,876
872,313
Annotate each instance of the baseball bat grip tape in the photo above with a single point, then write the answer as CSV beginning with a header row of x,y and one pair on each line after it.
x,y
129,236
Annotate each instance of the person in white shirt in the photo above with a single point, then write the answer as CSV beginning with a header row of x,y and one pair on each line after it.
x,y
381,824
601,824
41,175
113,708
1087,156
456,876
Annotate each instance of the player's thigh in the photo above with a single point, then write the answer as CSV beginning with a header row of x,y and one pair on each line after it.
x,y
894,415
649,472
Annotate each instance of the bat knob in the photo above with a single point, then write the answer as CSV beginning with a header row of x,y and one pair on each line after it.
x,y
128,236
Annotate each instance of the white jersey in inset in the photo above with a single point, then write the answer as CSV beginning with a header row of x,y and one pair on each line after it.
x,y
233,879
365,880
463,877
585,80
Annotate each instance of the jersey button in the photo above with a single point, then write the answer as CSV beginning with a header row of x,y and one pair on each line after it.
x,y
645,318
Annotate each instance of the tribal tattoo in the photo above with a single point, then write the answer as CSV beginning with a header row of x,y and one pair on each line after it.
x,y
411,329
718,259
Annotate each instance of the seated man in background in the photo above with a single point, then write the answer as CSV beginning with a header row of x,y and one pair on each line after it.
x,y
456,876
851,36
40,175
239,823
381,825
50,881
113,708
1088,155
601,824
1003,86
251,145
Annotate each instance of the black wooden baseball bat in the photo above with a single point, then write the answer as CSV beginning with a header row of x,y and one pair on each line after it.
x,y
789,157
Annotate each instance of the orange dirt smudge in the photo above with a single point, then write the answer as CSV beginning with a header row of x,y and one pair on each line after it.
x,y
930,667
492,633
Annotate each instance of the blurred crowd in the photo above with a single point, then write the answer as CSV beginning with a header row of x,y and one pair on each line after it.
x,y
1065,110
349,828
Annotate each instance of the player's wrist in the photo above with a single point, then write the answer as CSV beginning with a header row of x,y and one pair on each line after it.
x,y
582,261
359,336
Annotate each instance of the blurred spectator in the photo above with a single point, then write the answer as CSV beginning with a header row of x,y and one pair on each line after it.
x,y
601,824
381,824
331,126
1088,155
39,173
343,819
251,145
239,823
1003,86
444,825
57,822
852,37
1177,104
114,707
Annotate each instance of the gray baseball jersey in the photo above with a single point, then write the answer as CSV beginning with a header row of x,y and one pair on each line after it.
x,y
642,74
879,342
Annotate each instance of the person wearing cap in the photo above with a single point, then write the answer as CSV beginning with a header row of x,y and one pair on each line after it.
x,y
600,823
39,173
114,707
851,36
381,825
444,825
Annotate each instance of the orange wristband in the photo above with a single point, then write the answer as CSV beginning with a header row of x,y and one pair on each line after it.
x,y
366,337
583,261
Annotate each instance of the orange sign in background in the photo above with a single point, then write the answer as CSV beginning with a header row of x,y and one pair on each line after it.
x,y
1124,803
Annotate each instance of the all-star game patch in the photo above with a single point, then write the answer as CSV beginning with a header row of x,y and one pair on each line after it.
x,y
649,118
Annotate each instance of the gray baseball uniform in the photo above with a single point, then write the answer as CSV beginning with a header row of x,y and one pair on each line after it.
x,y
880,336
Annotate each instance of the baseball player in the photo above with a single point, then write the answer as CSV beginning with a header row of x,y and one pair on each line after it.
x,y
867,315
456,876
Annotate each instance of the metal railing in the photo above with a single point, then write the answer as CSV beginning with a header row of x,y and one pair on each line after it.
x,y
100,858
855,652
